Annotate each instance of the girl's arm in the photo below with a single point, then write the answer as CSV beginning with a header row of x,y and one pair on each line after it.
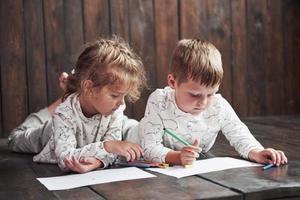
x,y
65,142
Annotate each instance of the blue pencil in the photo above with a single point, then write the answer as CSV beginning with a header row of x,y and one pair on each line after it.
x,y
268,166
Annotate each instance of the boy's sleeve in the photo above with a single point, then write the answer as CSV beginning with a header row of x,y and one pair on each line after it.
x,y
151,133
236,132
65,143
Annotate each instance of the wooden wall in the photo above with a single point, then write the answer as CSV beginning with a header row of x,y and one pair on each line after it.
x,y
259,41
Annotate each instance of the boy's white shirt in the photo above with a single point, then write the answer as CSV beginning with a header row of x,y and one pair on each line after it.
x,y
162,112
73,134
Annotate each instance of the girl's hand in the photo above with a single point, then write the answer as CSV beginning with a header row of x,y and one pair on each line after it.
x,y
268,156
129,150
190,153
84,164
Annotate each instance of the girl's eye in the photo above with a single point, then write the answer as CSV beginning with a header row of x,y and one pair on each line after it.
x,y
114,96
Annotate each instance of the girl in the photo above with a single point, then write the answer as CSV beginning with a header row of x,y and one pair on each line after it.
x,y
87,126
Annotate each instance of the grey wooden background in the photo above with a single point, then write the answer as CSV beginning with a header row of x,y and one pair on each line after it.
x,y
259,41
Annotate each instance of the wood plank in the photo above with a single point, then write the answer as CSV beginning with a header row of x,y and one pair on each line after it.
x,y
255,60
219,33
273,59
288,42
95,19
290,122
119,12
193,19
255,183
55,46
13,65
119,18
296,52
35,55
277,138
1,113
165,187
73,32
239,57
20,175
277,183
142,40
166,35
18,180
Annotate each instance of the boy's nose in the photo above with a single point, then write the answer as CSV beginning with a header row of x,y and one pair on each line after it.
x,y
202,102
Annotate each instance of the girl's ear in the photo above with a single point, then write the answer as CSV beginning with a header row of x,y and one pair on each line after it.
x,y
86,86
171,81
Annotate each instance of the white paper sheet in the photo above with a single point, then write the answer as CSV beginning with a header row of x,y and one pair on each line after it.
x,y
94,177
204,166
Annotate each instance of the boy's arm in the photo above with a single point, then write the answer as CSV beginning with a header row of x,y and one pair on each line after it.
x,y
236,132
151,133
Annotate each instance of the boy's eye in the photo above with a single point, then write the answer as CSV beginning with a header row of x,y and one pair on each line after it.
x,y
195,95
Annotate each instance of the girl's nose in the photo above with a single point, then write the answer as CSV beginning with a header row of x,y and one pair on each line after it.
x,y
121,102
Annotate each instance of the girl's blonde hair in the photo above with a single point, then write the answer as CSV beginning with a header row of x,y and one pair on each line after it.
x,y
106,62
198,60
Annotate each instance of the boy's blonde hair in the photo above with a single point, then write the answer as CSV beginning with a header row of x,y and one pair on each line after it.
x,y
106,62
197,60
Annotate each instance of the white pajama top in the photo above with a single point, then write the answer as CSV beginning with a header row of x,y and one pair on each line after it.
x,y
162,112
73,134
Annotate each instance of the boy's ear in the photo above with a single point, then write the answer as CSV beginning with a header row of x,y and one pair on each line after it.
x,y
171,81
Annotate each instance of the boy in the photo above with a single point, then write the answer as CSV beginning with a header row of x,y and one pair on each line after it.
x,y
191,108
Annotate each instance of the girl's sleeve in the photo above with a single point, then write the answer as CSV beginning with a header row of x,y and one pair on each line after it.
x,y
151,132
114,132
65,143
236,132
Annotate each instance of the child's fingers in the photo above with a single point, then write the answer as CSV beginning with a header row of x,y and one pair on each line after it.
x,y
69,164
137,148
191,151
138,151
75,161
196,142
191,154
126,155
278,158
132,154
193,148
283,158
272,154
87,160
188,160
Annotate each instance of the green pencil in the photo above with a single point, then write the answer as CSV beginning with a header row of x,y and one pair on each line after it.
x,y
177,137
180,139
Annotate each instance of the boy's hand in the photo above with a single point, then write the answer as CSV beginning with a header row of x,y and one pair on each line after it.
x,y
84,164
268,156
129,150
190,153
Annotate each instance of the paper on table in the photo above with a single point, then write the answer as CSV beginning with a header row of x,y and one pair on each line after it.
x,y
204,166
94,177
